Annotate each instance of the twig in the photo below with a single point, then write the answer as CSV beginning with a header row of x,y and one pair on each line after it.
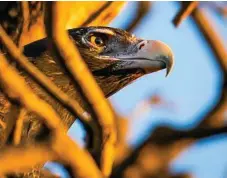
x,y
216,116
165,135
100,108
89,12
2,124
223,11
43,80
93,16
212,37
72,105
22,159
168,142
19,127
104,14
185,11
142,10
162,141
15,88
26,15
26,18
10,121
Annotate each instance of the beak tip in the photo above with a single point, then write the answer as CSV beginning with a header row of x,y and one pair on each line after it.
x,y
169,68
167,72
166,51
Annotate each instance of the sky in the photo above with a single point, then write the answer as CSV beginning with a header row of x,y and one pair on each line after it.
x,y
192,87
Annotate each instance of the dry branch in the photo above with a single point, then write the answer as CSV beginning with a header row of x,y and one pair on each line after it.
x,y
42,79
89,13
10,121
72,105
185,11
166,136
15,88
100,109
161,147
26,18
22,159
213,39
142,10
216,117
19,127
165,143
104,14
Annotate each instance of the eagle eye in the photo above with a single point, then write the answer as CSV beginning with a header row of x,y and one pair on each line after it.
x,y
98,39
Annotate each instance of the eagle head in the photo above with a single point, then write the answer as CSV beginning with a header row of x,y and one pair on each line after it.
x,y
116,57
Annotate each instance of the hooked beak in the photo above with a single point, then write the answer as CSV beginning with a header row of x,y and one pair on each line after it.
x,y
151,56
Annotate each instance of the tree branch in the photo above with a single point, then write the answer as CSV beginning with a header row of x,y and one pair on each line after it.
x,y
10,121
100,108
142,10
15,88
19,127
185,11
104,14
22,159
168,142
214,118
72,105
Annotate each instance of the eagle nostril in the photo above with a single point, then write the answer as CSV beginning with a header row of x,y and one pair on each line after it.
x,y
141,45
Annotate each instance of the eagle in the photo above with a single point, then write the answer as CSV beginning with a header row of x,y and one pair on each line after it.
x,y
115,58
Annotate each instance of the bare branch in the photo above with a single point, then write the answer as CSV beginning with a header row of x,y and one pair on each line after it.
x,y
26,18
11,158
72,105
142,10
42,79
168,142
85,83
10,121
212,37
90,13
185,11
19,127
216,117
2,124
15,88
104,14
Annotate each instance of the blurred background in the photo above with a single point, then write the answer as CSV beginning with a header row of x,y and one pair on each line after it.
x,y
179,101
